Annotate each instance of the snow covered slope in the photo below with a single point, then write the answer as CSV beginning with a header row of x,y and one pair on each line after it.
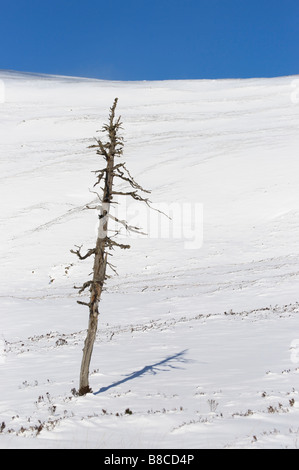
x,y
200,344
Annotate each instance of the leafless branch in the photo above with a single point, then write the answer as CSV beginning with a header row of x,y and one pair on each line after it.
x,y
101,148
95,208
85,286
111,244
95,192
78,252
133,194
100,176
129,228
112,267
137,197
83,303
129,178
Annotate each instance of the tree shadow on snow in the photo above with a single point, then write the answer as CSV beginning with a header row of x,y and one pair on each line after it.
x,y
162,366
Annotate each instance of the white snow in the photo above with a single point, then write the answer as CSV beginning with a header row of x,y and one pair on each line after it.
x,y
200,344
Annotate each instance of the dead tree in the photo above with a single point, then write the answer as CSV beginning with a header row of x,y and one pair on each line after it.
x,y
111,150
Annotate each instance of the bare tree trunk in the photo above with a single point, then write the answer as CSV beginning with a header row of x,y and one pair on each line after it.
x,y
113,148
87,352
99,274
100,260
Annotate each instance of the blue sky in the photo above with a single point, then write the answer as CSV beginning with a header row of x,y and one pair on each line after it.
x,y
151,39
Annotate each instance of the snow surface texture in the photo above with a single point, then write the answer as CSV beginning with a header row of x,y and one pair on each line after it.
x,y
197,345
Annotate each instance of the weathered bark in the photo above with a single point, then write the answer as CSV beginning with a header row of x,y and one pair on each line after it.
x,y
100,263
100,257
87,353
109,151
